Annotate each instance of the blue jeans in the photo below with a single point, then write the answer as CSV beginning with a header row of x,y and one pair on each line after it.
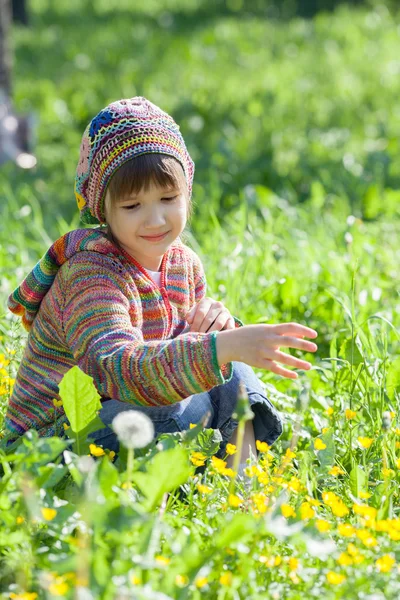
x,y
219,402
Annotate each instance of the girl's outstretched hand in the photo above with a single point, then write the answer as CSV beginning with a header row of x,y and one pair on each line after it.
x,y
209,315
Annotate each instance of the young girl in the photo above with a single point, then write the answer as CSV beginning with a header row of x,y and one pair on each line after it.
x,y
126,301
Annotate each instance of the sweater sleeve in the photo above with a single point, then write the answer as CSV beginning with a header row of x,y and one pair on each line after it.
x,y
102,327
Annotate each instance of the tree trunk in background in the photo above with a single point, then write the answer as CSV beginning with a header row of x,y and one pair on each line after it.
x,y
5,53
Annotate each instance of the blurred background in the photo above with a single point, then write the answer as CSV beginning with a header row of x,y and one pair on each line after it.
x,y
289,108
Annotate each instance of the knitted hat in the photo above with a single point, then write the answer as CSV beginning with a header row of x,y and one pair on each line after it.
x,y
121,131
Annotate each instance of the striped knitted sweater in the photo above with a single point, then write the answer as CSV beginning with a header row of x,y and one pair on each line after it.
x,y
87,302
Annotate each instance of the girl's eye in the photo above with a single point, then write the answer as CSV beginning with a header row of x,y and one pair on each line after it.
x,y
131,206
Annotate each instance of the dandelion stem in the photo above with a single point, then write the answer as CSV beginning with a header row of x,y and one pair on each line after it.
x,y
129,468
236,461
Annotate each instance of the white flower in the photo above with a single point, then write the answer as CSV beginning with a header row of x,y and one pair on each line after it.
x,y
134,428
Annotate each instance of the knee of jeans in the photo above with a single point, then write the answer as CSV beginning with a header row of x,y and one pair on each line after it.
x,y
244,372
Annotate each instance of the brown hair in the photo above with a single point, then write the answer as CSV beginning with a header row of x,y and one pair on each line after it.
x,y
138,172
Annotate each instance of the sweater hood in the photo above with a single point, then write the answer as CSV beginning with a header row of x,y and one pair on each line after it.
x,y
26,298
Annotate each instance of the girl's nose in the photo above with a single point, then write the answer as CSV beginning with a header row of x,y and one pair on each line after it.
x,y
154,220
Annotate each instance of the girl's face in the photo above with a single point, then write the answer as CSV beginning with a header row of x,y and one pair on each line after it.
x,y
135,219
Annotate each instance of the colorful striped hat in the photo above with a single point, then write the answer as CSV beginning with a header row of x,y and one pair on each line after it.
x,y
121,131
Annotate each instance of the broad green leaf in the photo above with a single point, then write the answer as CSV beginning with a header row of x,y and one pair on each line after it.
x,y
326,457
393,378
80,398
353,356
164,473
239,527
358,481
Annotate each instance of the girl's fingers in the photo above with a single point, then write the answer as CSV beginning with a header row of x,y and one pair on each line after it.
x,y
202,309
294,342
274,368
223,322
295,329
292,361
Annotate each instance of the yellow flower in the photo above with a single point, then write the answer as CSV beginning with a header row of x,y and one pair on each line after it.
x,y
293,563
19,520
366,538
387,472
306,511
59,587
335,471
329,411
340,509
66,426
346,530
385,563
322,525
313,501
319,444
135,580
57,402
294,484
192,425
262,446
162,560
198,458
350,414
345,560
201,582
228,472
290,454
235,501
335,578
24,596
398,463
368,512
48,513
365,495
218,464
260,501
96,450
226,578
230,448
325,429
352,549
365,442
181,580
111,455
204,489
329,498
287,511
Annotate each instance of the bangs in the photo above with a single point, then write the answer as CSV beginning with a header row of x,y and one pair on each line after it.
x,y
139,172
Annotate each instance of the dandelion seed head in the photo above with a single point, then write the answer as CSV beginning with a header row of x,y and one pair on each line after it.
x,y
134,428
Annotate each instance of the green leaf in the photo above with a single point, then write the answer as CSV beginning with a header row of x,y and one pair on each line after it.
x,y
326,457
393,378
239,527
346,351
80,398
164,473
81,442
358,481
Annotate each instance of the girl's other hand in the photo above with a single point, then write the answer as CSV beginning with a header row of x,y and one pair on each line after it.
x,y
209,315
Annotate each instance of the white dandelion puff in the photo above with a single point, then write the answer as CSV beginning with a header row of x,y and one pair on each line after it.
x,y
134,428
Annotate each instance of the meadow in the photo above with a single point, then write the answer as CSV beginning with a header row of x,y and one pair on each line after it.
x,y
294,127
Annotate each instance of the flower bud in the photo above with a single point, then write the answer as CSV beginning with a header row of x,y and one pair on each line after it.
x,y
386,420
